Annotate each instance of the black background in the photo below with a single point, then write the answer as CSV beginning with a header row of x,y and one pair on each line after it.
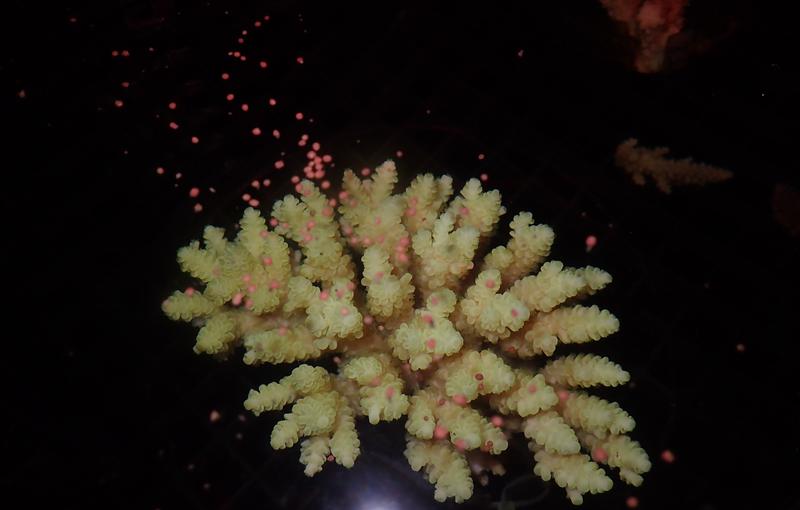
x,y
107,405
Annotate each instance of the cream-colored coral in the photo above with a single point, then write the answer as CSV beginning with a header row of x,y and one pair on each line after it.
x,y
444,466
425,331
568,325
380,387
549,431
584,370
619,452
529,247
387,294
489,314
528,395
432,415
576,473
443,255
595,415
428,332
639,162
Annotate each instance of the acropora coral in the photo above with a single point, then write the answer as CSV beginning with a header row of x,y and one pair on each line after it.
x,y
641,162
393,288
650,23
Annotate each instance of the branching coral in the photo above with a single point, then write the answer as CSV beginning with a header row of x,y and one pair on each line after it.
x,y
458,346
651,23
640,162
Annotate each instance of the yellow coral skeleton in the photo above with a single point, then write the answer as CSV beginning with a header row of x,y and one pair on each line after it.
x,y
461,348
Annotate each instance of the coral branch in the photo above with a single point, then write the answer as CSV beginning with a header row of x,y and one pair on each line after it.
x,y
639,163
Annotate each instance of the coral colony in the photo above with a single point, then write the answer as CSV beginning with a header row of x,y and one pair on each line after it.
x,y
461,348
640,162
650,23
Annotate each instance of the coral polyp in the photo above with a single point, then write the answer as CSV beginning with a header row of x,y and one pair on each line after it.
x,y
395,289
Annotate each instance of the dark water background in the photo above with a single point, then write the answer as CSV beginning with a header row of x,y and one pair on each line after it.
x,y
107,405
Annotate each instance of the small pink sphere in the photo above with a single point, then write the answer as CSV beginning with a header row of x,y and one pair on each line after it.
x,y
599,455
591,242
